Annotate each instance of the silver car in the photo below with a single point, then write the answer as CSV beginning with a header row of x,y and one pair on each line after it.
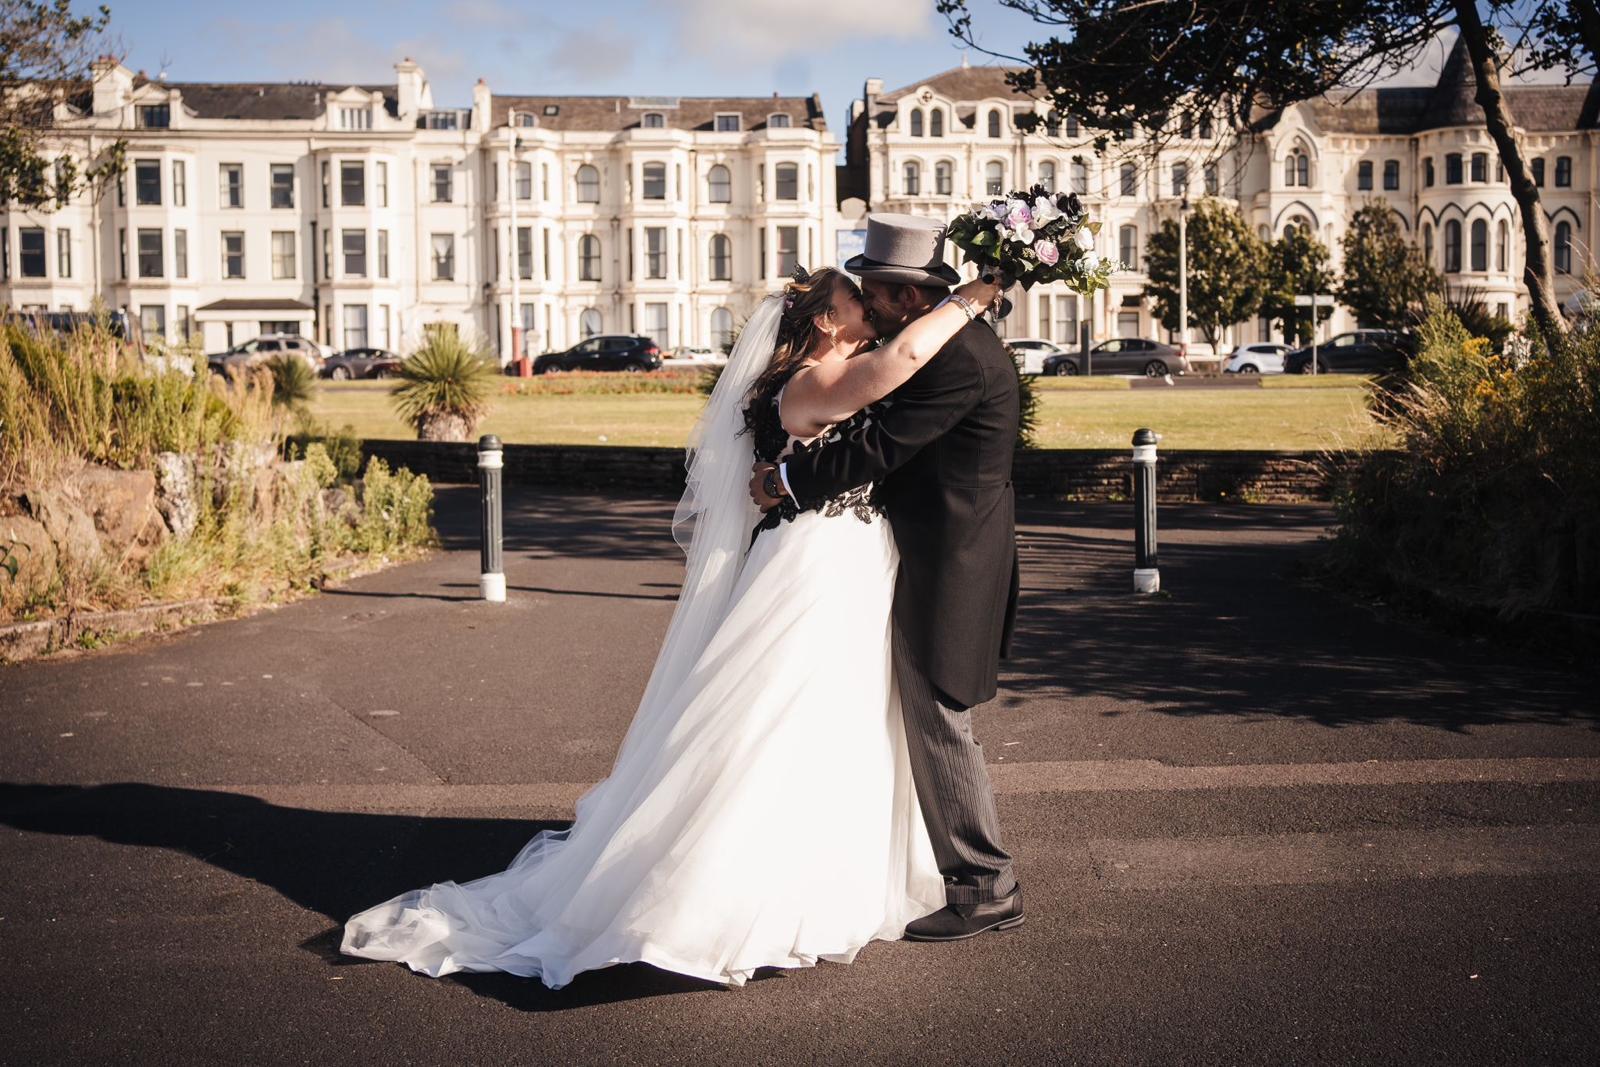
x,y
1263,357
259,349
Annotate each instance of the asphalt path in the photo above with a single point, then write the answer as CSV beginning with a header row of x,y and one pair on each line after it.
x,y
1255,823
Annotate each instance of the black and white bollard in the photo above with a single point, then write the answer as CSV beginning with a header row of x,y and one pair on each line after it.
x,y
1146,575
492,582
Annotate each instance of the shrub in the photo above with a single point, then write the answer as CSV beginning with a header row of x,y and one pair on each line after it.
x,y
444,388
292,382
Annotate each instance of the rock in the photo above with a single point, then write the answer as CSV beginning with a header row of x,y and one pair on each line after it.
x,y
175,496
122,505
26,540
69,526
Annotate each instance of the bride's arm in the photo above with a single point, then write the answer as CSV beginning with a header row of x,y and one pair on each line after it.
x,y
832,392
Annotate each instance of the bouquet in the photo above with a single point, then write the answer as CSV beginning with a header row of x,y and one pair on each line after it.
x,y
1034,237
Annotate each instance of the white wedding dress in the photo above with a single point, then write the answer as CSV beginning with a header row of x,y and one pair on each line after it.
x,y
761,810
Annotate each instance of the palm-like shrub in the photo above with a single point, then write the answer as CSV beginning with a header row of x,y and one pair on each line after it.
x,y
292,382
444,388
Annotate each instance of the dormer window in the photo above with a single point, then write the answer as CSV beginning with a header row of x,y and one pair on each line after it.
x,y
654,120
355,118
778,122
729,122
154,116
526,118
552,109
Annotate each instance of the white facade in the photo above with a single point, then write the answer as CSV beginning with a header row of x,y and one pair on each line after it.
x,y
362,214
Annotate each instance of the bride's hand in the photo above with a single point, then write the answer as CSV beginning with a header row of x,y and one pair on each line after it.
x,y
982,292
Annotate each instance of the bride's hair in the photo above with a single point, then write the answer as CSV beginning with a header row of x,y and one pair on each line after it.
x,y
807,297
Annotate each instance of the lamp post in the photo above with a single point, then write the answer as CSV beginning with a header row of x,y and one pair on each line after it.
x,y
516,247
1183,275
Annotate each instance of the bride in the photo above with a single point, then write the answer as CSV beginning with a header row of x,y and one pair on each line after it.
x,y
761,810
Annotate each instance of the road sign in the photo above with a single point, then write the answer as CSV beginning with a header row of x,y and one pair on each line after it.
x,y
1317,300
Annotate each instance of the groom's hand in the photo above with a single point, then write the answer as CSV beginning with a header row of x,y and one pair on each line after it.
x,y
758,488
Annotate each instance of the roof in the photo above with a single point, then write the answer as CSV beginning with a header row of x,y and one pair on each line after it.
x,y
268,101
256,304
612,113
962,83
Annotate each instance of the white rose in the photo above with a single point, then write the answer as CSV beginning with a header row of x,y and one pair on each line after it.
x,y
1045,210
1025,235
1090,261
1084,239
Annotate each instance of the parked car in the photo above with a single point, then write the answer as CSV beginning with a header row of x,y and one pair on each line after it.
x,y
1356,352
65,322
688,354
1032,352
259,349
1122,355
361,363
626,352
1264,357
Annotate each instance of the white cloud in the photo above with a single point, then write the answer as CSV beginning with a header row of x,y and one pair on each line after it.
x,y
745,32
333,50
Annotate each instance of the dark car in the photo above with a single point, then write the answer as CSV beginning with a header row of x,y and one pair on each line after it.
x,y
626,352
1122,355
361,363
1356,352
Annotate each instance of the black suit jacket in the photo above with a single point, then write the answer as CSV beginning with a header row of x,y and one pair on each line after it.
x,y
941,452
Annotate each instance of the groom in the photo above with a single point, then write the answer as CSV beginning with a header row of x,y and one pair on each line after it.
x,y
941,454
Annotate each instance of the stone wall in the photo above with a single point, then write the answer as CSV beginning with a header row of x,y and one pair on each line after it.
x,y
1076,474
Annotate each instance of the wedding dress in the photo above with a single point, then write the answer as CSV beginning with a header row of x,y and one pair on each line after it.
x,y
761,810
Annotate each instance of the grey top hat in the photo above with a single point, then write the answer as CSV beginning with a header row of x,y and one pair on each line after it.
x,y
904,248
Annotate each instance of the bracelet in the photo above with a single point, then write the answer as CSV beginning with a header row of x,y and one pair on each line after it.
x,y
964,304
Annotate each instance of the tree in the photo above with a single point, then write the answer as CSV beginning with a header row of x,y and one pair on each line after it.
x,y
1297,265
1115,63
1226,269
1386,281
45,53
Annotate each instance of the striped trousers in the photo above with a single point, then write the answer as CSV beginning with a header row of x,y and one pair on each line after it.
x,y
953,788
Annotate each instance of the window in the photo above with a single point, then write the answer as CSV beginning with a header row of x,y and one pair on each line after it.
x,y
233,254
441,120
1563,247
1297,169
1427,172
1563,172
655,263
721,258
147,181
150,254
654,120
1047,176
327,253
122,252
787,181
63,253
30,248
327,184
1427,243
154,116
778,121
1452,168
185,323
721,329
1129,176
355,326
1128,246
353,183
283,257
911,179
1452,247
153,321
525,251
994,124
443,187
916,122
231,185
588,258
655,181
1078,175
943,182
1480,166
5,253
1364,174
1502,246
524,183
1538,173
283,185
1212,185
1391,174
355,118
1480,245
655,317
590,323
544,255
588,185
1180,179
444,256
381,181
180,253
383,253
719,185
1499,169
1205,126
1052,124
354,244
729,122
180,184
994,178
788,250
936,122
1072,126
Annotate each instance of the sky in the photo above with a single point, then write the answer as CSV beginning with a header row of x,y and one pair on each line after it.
x,y
632,47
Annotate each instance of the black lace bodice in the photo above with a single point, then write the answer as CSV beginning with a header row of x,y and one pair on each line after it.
x,y
772,441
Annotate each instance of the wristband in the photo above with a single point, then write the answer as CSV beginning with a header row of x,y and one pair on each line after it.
x,y
769,484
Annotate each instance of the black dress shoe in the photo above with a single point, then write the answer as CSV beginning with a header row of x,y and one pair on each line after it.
x,y
956,922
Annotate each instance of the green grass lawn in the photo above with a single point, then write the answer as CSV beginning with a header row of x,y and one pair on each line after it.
x,y
1073,413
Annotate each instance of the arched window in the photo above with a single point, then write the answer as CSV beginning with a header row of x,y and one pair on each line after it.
x,y
654,120
721,329
1128,246
1480,245
588,185
786,179
1303,169
1452,247
994,123
1047,176
994,178
1299,222
1129,175
1502,246
1563,247
655,181
943,174
590,323
1297,168
588,258
1427,243
721,258
1180,179
916,122
911,180
1480,166
778,120
1078,171
719,185
1052,124
936,122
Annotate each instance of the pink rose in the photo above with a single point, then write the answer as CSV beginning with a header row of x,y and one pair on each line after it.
x,y
1020,217
1047,252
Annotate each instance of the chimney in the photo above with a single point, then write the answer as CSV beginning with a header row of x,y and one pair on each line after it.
x,y
482,105
409,88
113,84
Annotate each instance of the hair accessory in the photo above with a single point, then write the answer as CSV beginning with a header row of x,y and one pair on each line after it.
x,y
800,274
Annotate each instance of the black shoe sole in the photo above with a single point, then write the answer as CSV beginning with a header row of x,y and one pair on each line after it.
x,y
1004,924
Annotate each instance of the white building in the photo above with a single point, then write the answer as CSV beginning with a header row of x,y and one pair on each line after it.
x,y
362,214
935,147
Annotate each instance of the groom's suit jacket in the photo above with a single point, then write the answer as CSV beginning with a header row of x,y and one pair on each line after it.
x,y
941,452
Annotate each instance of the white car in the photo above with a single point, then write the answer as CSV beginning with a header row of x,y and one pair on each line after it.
x,y
1032,351
1261,358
